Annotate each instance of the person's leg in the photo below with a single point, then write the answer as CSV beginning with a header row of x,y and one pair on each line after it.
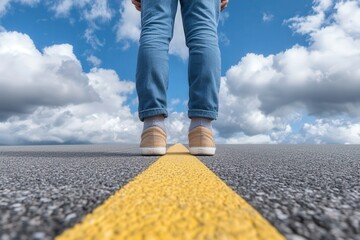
x,y
200,20
157,21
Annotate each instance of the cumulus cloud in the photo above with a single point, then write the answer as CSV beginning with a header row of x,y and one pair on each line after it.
x,y
108,120
241,116
331,131
348,17
30,78
265,94
47,98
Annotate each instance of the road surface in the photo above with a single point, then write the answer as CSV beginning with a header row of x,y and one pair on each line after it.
x,y
304,191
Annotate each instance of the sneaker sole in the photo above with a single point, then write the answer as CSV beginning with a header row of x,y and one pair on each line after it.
x,y
208,151
153,151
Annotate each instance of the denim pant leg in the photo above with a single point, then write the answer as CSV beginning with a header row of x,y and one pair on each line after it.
x,y
200,20
157,21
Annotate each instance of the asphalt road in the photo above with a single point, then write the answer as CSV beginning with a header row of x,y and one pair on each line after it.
x,y
46,189
306,191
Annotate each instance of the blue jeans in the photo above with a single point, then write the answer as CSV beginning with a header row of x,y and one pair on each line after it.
x,y
200,20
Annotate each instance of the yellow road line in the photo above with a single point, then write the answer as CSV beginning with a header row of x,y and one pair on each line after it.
x,y
177,197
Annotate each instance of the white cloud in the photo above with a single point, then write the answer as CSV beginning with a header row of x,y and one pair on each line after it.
x,y
106,121
240,114
99,10
29,78
177,125
91,38
129,25
263,95
63,7
94,60
91,10
267,17
5,4
174,101
322,5
331,131
46,97
348,17
310,23
241,138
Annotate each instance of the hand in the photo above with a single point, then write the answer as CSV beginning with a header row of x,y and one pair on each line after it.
x,y
224,4
137,4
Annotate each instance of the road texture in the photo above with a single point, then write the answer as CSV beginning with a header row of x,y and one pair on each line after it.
x,y
46,189
306,191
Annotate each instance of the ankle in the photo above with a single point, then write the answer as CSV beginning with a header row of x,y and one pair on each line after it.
x,y
200,121
155,121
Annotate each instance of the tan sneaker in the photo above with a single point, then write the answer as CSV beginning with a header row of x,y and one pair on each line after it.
x,y
153,141
201,141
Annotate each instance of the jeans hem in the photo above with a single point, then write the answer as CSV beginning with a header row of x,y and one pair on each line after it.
x,y
152,112
202,113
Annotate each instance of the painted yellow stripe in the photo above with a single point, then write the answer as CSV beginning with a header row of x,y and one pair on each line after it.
x,y
177,197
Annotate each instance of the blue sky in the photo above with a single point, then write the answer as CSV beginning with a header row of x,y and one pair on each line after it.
x,y
263,42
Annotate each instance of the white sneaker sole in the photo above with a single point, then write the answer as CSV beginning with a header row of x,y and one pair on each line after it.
x,y
153,151
209,151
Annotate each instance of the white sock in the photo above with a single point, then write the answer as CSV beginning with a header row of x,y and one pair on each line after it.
x,y
157,120
200,121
